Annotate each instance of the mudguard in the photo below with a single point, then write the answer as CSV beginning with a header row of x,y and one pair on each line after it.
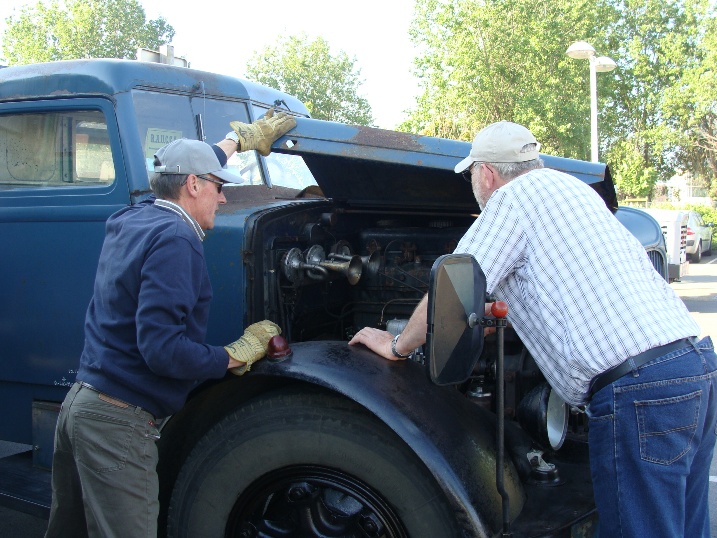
x,y
454,438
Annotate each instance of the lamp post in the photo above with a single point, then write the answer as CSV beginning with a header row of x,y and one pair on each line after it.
x,y
580,50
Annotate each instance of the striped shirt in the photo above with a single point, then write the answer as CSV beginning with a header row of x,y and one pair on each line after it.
x,y
581,291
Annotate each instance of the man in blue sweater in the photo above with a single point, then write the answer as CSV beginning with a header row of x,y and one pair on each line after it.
x,y
144,340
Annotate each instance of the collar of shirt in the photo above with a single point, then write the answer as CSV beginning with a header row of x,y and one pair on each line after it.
x,y
186,217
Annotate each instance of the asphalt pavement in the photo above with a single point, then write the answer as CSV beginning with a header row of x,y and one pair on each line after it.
x,y
698,290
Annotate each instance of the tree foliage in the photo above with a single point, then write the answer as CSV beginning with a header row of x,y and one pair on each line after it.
x,y
691,105
655,42
327,84
82,29
485,60
493,60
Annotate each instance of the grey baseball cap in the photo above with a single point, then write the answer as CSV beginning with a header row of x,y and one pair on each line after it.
x,y
185,156
501,142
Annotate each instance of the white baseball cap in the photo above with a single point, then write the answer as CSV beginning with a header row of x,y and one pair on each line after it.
x,y
501,142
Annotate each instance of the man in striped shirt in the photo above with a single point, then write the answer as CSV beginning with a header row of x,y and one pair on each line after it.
x,y
604,328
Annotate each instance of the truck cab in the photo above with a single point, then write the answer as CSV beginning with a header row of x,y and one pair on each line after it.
x,y
338,229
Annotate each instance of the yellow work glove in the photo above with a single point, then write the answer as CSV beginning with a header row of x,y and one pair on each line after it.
x,y
252,345
261,134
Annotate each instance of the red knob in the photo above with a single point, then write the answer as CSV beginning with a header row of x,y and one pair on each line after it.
x,y
278,347
499,309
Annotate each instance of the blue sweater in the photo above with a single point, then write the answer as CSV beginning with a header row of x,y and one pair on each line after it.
x,y
147,319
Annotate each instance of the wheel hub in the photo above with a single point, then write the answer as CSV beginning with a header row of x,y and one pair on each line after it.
x,y
311,501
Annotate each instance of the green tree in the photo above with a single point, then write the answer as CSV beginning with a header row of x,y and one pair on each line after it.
x,y
82,29
327,84
485,60
655,42
489,60
691,105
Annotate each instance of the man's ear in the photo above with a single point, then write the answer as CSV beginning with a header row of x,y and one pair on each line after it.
x,y
192,185
493,180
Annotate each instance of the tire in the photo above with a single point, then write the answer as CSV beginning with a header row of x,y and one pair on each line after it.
x,y
708,252
697,256
305,464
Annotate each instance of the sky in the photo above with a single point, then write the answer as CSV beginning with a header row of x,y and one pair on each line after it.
x,y
224,35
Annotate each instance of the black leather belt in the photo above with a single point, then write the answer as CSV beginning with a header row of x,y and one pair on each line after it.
x,y
606,378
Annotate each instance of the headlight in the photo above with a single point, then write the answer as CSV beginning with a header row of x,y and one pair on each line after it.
x,y
544,415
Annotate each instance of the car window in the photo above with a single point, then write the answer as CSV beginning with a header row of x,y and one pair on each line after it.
x,y
55,149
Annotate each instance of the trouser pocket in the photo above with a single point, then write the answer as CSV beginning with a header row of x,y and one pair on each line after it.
x,y
667,426
101,442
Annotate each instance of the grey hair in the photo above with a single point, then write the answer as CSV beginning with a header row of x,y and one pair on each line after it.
x,y
508,171
167,186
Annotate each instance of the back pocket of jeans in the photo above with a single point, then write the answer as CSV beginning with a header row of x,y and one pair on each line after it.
x,y
101,442
666,427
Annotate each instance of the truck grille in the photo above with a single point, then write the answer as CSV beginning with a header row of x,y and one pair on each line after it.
x,y
658,262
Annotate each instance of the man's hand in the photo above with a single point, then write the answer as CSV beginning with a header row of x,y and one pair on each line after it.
x,y
261,134
377,341
252,346
489,314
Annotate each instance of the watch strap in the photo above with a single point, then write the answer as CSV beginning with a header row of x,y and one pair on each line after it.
x,y
395,351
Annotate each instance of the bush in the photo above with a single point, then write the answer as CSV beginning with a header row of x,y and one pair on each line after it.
x,y
709,214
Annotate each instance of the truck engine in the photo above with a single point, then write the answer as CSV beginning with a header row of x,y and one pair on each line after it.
x,y
338,271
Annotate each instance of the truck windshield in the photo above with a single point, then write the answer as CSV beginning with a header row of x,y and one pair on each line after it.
x,y
163,117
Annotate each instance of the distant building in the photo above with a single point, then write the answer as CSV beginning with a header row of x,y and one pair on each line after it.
x,y
682,189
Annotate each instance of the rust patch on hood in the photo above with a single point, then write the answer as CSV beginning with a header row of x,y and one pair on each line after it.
x,y
370,136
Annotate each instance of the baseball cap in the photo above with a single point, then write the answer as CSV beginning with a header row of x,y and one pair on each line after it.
x,y
185,156
501,142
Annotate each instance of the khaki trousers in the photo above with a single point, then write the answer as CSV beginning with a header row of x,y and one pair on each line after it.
x,y
104,469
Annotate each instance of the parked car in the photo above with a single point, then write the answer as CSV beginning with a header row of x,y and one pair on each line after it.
x,y
699,237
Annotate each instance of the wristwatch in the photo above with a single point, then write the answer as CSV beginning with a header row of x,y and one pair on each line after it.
x,y
233,137
395,351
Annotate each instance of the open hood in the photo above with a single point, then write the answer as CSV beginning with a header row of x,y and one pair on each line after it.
x,y
367,167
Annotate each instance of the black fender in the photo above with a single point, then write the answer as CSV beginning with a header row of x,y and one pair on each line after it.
x,y
453,437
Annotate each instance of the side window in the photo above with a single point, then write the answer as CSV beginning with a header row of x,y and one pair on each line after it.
x,y
55,149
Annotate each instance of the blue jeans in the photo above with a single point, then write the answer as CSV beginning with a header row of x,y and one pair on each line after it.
x,y
652,435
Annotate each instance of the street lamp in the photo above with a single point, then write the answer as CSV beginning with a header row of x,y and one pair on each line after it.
x,y
580,50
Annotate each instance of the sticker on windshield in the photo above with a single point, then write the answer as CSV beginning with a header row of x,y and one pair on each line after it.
x,y
157,138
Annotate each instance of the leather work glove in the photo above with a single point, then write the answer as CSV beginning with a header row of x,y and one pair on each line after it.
x,y
261,134
253,345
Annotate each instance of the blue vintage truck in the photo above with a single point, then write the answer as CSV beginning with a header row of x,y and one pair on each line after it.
x,y
337,229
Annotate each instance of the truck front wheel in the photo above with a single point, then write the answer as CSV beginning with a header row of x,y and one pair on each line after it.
x,y
305,464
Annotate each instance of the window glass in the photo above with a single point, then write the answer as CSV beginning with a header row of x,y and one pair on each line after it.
x,y
286,170
163,117
55,149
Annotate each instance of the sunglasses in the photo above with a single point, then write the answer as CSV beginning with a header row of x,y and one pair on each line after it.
x,y
468,172
219,184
